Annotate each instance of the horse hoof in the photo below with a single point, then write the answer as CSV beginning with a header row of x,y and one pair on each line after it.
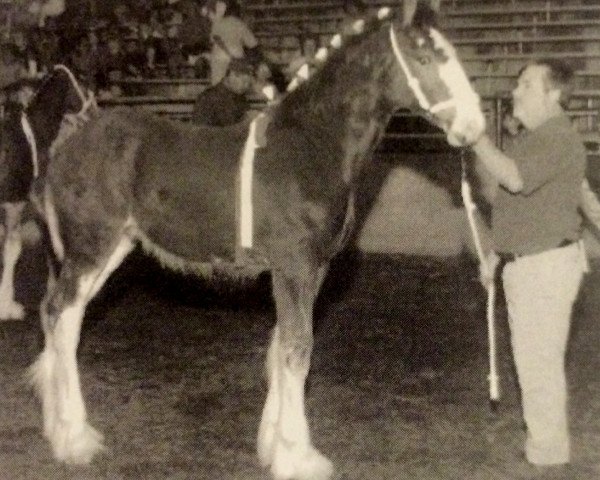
x,y
312,465
12,311
77,448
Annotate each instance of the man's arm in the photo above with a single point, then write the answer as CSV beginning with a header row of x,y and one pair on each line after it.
x,y
502,168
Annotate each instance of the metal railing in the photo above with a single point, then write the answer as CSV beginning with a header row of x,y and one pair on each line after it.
x,y
584,109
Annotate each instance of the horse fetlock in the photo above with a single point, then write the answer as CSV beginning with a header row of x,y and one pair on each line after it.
x,y
265,443
300,462
75,444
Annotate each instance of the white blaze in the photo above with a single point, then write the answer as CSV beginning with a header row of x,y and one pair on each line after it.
x,y
468,110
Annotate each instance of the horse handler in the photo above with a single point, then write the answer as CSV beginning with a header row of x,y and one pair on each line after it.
x,y
536,231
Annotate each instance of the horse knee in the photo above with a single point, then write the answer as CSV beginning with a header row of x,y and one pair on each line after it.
x,y
58,297
296,356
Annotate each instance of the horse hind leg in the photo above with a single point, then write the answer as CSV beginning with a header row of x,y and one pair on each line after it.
x,y
10,309
270,414
284,439
55,372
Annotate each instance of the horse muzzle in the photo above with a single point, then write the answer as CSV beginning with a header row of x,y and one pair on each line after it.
x,y
466,130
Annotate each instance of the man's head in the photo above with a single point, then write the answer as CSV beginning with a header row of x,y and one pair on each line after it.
x,y
543,90
215,9
239,76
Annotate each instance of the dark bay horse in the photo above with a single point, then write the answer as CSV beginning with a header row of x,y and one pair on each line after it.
x,y
26,137
128,177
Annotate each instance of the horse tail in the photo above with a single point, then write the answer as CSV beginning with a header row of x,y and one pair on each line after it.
x,y
52,223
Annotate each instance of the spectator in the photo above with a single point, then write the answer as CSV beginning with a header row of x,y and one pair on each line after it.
x,y
134,58
353,10
12,66
536,228
267,75
229,35
45,48
225,103
111,66
308,48
194,33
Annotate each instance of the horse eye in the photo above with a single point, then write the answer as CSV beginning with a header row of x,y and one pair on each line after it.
x,y
424,60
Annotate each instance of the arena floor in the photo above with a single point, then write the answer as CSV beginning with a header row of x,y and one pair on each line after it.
x,y
172,375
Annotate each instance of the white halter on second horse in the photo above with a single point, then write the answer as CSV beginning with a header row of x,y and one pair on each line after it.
x,y
86,104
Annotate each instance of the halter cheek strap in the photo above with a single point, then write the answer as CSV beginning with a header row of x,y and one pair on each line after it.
x,y
413,82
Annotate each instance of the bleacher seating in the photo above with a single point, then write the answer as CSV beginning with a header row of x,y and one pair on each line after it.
x,y
495,38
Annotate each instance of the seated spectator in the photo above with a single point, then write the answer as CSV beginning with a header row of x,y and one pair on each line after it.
x,y
353,10
111,66
134,58
194,33
268,75
230,37
308,48
225,103
12,66
44,45
20,92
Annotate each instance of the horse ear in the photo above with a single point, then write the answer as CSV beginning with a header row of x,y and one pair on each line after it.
x,y
425,15
408,11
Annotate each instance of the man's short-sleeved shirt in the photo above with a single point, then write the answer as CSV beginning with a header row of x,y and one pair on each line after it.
x,y
551,160
234,34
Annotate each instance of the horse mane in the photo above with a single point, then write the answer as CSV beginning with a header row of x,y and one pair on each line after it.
x,y
349,57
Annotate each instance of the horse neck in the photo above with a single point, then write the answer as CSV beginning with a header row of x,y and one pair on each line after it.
x,y
348,103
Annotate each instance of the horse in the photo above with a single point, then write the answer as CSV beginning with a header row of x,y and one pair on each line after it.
x,y
128,177
27,134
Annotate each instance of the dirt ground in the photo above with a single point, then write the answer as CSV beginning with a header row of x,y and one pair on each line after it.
x,y
172,374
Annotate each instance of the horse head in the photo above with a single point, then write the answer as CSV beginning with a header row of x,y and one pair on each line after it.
x,y
406,62
427,62
61,96
61,93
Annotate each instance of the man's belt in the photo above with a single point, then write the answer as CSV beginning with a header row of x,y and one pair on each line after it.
x,y
507,257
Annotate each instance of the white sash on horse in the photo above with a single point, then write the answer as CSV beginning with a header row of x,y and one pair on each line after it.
x,y
244,203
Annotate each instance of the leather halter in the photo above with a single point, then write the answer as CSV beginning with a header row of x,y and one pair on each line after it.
x,y
413,82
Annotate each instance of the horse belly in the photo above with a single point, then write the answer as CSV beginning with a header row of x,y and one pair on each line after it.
x,y
188,209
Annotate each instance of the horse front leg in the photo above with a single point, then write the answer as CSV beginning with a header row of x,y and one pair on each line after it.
x,y
11,251
284,438
55,373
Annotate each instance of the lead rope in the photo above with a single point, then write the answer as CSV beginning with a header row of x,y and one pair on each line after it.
x,y
470,208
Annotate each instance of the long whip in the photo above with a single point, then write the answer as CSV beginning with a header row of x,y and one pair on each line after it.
x,y
470,208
